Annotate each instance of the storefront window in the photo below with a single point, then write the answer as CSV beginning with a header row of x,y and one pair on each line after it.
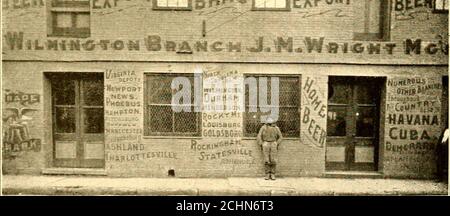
x,y
160,117
289,117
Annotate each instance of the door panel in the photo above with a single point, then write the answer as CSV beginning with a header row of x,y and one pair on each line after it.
x,y
78,119
352,126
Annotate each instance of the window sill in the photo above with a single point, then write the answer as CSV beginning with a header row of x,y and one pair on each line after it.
x,y
284,138
172,8
170,137
74,171
287,9
71,10
68,36
437,11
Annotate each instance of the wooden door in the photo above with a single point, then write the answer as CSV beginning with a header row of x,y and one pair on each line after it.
x,y
353,123
78,120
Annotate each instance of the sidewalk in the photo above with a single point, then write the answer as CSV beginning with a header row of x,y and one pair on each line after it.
x,y
83,185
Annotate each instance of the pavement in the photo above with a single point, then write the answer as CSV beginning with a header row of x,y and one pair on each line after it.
x,y
233,186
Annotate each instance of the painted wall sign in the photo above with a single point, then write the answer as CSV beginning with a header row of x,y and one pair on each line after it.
x,y
222,128
413,122
101,4
123,113
21,97
16,124
314,111
154,43
22,4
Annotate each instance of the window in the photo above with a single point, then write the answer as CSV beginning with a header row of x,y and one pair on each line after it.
x,y
440,5
280,5
172,4
371,20
288,107
160,119
70,18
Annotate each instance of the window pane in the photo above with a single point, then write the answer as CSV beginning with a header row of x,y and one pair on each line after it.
x,y
365,121
93,120
252,123
183,3
289,122
64,91
172,3
439,4
186,121
270,3
366,93
65,120
289,84
338,93
159,90
336,121
280,3
83,20
160,119
289,91
70,3
374,16
93,92
260,3
289,98
64,20
359,15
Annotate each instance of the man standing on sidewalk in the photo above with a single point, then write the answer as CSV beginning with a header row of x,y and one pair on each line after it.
x,y
269,138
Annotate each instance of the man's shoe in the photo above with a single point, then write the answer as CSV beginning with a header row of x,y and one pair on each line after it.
x,y
272,176
267,177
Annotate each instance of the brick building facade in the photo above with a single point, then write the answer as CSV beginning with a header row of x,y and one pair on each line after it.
x,y
86,84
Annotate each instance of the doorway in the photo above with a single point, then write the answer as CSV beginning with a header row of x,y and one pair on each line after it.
x,y
353,123
78,119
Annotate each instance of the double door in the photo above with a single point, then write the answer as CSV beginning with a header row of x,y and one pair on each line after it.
x,y
353,123
78,120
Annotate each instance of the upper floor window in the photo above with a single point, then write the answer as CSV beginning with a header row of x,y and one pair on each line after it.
x,y
280,5
70,18
440,5
371,21
172,4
